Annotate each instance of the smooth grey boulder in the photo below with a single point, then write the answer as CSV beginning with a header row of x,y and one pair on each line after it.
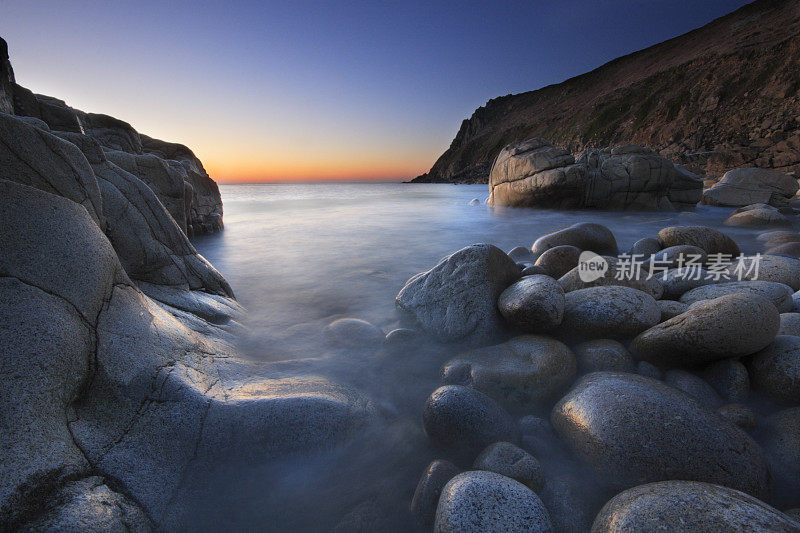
x,y
790,324
729,378
633,430
644,248
709,239
778,293
511,461
426,495
481,501
757,215
457,299
533,304
353,333
678,281
693,386
524,370
671,309
733,325
583,235
559,260
776,268
603,354
461,417
781,441
608,312
739,414
775,370
618,274
689,507
746,186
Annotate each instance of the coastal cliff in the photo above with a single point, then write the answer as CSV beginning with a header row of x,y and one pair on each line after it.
x,y
719,97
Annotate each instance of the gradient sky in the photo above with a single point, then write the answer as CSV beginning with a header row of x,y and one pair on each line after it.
x,y
281,91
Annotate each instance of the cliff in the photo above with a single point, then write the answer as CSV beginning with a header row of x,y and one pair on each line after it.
x,y
719,97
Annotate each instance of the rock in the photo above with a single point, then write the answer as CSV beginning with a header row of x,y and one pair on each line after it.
x,y
533,304
790,324
757,215
645,247
729,378
733,325
677,256
456,416
511,461
643,368
633,430
426,495
678,281
617,274
401,337
559,260
693,386
745,186
521,254
352,333
709,239
781,441
485,501
686,189
775,268
775,370
742,416
779,294
792,249
569,502
689,506
670,309
611,311
526,369
533,270
583,235
538,437
603,354
475,201
457,299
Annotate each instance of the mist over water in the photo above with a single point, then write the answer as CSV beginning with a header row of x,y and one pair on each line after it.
x,y
302,255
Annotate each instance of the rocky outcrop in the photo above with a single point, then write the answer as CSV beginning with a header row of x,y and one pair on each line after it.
x,y
720,97
746,186
534,173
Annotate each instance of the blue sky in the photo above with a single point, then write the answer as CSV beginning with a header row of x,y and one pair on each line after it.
x,y
319,90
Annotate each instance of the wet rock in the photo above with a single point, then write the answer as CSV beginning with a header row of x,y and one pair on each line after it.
x,y
670,309
739,414
678,281
456,416
790,324
457,299
480,501
634,430
526,369
729,378
746,186
643,368
353,333
689,506
757,215
559,260
583,235
521,254
781,441
603,354
776,369
733,325
533,270
533,304
426,495
611,311
645,247
693,386
511,461
775,268
709,239
617,275
778,293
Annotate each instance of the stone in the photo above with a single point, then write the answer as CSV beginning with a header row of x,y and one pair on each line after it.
x,y
527,369
643,368
790,324
533,270
745,186
686,189
485,501
775,370
671,309
632,430
677,256
757,215
733,325
459,417
401,337
533,304
781,441
521,254
792,249
457,299
778,293
511,461
426,495
617,275
775,268
689,506
693,386
603,354
559,260
353,333
645,247
583,235
709,239
729,378
739,414
608,312
678,281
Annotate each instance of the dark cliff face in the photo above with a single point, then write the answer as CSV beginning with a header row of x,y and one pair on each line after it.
x,y
723,96
172,170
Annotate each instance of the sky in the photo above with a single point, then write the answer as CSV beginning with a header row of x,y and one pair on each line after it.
x,y
310,91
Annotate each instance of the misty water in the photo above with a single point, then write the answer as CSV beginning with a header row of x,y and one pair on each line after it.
x,y
300,256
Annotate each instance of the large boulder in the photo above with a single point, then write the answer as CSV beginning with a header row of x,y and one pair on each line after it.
x,y
457,299
745,186
689,507
619,272
711,240
633,430
583,235
511,461
533,304
611,311
778,293
426,495
733,325
777,268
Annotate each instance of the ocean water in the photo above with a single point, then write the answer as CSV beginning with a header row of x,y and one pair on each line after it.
x,y
302,255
